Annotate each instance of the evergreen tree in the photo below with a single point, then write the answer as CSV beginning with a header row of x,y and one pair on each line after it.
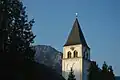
x,y
105,67
94,72
111,74
3,20
105,73
18,30
71,75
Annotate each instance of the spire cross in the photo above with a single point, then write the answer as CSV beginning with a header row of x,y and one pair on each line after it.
x,y
76,15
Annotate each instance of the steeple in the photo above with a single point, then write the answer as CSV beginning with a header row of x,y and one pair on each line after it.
x,y
76,35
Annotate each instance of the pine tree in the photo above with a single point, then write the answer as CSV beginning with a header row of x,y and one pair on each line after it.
x,y
111,74
3,23
105,67
105,73
18,36
94,72
71,75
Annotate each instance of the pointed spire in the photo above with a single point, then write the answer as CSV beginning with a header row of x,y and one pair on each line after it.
x,y
76,35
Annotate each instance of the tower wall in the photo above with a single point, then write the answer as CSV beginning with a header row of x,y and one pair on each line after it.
x,y
75,63
78,48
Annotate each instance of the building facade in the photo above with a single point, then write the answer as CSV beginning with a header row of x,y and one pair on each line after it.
x,y
76,54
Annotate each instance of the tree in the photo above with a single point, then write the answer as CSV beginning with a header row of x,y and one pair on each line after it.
x,y
3,20
105,73
18,30
105,67
111,74
94,72
71,75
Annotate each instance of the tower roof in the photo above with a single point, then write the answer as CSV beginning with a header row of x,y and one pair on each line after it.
x,y
76,35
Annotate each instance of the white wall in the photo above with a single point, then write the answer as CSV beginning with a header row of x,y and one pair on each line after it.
x,y
79,65
75,63
76,47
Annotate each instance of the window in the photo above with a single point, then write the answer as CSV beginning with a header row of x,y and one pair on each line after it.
x,y
75,54
69,54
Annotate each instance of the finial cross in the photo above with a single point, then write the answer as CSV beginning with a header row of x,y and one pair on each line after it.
x,y
76,15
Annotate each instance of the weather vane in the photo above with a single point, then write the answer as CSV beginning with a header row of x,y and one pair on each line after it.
x,y
76,15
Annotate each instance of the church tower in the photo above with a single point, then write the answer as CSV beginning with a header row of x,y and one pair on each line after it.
x,y
76,54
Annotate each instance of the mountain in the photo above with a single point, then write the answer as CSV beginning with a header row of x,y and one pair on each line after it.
x,y
48,56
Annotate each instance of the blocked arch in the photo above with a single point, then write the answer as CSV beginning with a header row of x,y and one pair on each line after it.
x,y
75,54
74,66
68,66
69,54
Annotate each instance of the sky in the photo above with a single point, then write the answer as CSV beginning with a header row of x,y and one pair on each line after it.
x,y
99,21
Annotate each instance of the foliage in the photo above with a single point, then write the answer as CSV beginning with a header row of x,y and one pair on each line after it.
x,y
15,29
104,71
71,75
95,73
111,74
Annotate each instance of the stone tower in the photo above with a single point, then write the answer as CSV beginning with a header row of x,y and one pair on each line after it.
x,y
76,54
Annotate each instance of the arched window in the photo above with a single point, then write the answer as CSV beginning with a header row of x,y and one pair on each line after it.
x,y
69,54
75,54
